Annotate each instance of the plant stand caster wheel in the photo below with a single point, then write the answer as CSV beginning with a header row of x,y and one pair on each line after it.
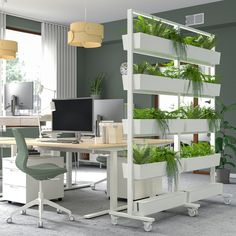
x,y
9,220
40,224
147,226
23,212
59,211
114,220
71,218
192,212
227,200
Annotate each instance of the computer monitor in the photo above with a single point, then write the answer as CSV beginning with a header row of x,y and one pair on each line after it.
x,y
107,109
73,115
18,95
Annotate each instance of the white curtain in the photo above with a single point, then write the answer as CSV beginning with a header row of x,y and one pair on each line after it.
x,y
59,62
2,62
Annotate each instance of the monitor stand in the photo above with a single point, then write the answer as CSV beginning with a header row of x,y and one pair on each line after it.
x,y
78,136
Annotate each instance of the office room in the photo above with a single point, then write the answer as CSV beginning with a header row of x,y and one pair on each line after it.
x,y
117,117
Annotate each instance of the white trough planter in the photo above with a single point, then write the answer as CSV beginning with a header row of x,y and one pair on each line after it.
x,y
198,163
150,84
160,47
146,171
150,127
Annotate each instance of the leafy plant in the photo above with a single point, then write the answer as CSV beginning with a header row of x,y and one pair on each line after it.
x,y
207,42
96,84
160,29
225,141
195,77
147,154
152,113
196,150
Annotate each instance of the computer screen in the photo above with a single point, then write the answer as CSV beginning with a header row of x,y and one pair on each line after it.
x,y
21,94
73,115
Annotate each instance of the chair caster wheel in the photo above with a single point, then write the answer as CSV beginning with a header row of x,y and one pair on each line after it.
x,y
59,211
59,199
23,212
147,226
192,212
114,220
9,220
227,200
10,202
71,218
40,225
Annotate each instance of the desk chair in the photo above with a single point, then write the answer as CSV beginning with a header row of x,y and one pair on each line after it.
x,y
39,172
103,161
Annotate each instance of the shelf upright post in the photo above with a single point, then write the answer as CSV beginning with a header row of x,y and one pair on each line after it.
x,y
177,137
212,135
130,187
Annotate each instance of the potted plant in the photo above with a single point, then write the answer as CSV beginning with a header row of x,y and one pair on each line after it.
x,y
225,144
96,86
199,156
152,162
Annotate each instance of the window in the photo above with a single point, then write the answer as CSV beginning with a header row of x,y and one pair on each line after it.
x,y
27,65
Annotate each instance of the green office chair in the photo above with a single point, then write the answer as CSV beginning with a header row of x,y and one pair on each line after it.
x,y
39,172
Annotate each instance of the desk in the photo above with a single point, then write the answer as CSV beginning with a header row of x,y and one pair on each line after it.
x,y
111,149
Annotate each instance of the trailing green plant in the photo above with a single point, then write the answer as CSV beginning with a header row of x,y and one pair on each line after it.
x,y
96,84
202,41
152,113
141,68
226,140
147,154
200,149
160,29
188,72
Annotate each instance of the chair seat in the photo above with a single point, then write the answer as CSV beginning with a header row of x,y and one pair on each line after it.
x,y
45,171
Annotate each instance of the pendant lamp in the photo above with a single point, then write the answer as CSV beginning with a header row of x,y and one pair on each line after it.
x,y
8,49
85,34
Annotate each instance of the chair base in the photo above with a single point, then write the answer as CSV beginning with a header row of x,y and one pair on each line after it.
x,y
40,201
93,185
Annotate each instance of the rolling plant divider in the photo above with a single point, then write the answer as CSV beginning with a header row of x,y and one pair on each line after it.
x,y
139,210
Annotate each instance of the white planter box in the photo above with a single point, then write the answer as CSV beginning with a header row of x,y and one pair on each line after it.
x,y
198,163
146,171
160,47
150,84
150,127
196,193
159,203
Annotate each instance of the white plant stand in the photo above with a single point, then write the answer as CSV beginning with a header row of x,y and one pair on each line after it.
x,y
158,47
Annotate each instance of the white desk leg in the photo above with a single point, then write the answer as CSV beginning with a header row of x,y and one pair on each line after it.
x,y
113,189
13,150
113,180
69,170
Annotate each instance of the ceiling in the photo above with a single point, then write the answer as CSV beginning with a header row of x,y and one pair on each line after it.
x,y
66,11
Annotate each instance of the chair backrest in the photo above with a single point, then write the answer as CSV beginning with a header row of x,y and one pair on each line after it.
x,y
22,151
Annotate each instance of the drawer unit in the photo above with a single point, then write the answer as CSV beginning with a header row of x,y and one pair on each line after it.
x,y
21,188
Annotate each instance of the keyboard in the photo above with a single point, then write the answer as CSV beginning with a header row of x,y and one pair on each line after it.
x,y
54,140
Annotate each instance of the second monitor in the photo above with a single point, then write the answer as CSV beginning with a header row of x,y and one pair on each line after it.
x,y
83,114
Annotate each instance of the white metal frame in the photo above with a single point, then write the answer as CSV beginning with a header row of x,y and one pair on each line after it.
x,y
192,207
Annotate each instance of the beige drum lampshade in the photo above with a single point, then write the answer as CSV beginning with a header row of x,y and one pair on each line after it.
x,y
8,49
85,34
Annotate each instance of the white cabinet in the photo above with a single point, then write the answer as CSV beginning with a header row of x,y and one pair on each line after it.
x,y
21,188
